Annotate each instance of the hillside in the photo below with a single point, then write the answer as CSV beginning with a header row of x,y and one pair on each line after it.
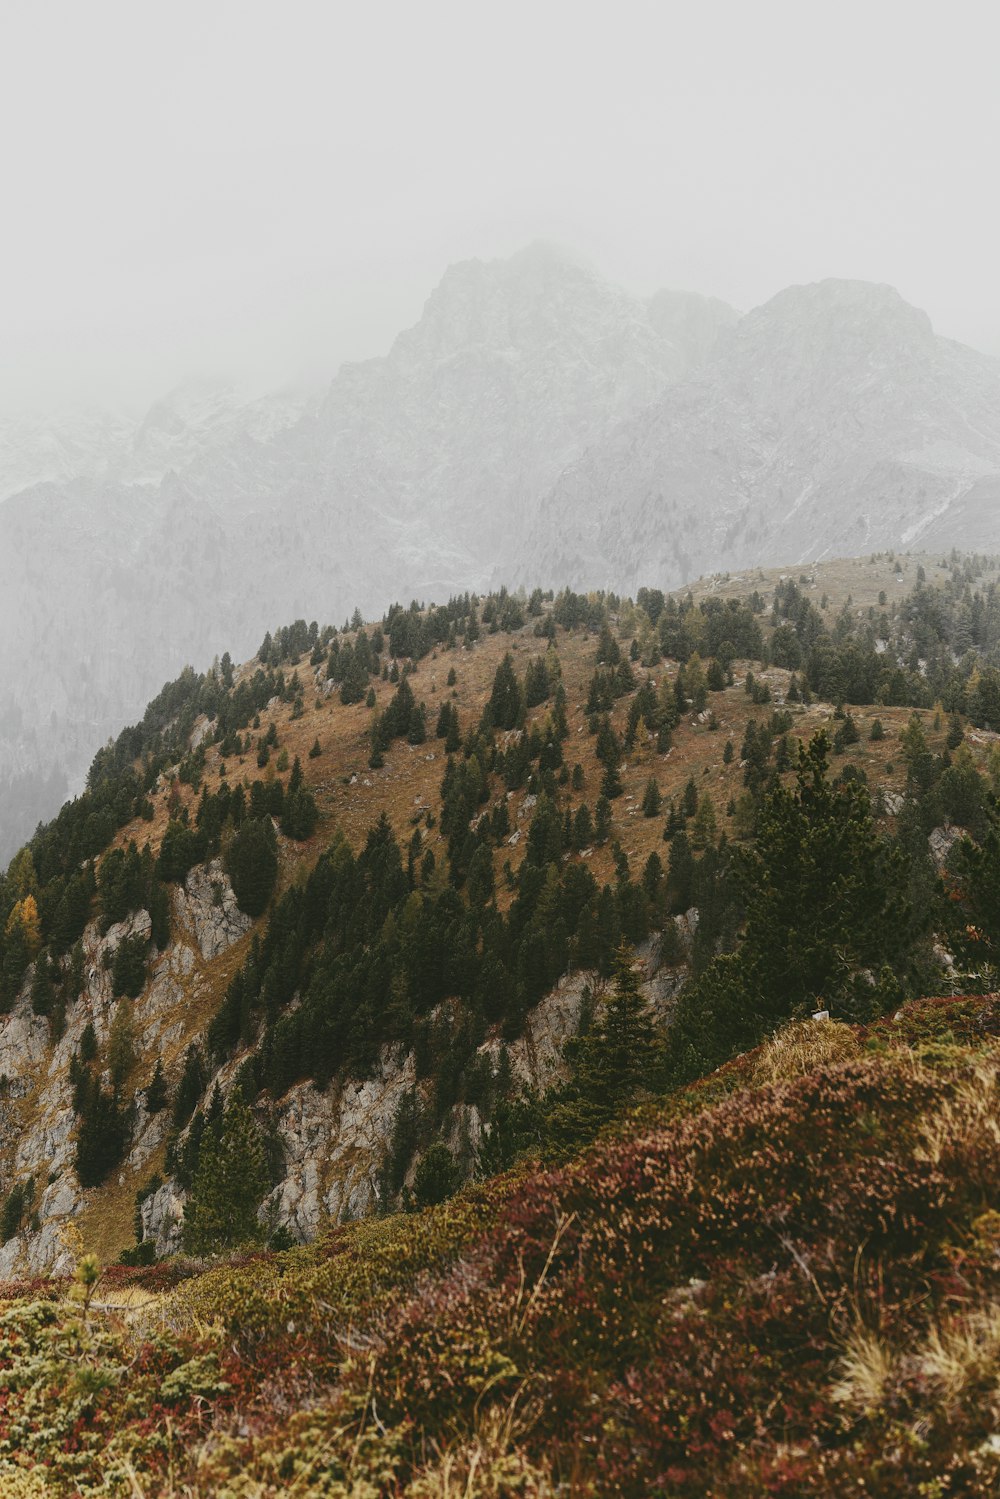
x,y
373,879
782,1282
428,907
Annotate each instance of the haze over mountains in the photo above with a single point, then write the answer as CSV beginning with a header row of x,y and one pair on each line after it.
x,y
537,425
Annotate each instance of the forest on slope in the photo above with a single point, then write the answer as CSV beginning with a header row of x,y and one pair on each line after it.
x,y
700,818
415,833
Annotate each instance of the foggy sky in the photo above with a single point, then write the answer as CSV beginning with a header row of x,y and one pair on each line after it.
x,y
262,190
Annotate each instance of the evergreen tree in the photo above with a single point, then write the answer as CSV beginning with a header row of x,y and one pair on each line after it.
x,y
602,820
252,864
616,1059
703,827
228,1186
506,705
611,783
102,1137
128,971
824,897
156,1093
436,1177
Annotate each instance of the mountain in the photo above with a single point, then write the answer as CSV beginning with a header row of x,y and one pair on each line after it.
x,y
427,991
829,422
536,424
53,449
413,474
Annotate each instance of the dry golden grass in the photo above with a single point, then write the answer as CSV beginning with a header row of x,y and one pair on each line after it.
x,y
801,1047
866,1370
351,797
963,1352
967,1124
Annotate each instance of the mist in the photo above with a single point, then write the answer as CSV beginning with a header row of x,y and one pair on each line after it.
x,y
260,194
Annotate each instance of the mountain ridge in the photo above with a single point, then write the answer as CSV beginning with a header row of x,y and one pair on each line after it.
x,y
535,423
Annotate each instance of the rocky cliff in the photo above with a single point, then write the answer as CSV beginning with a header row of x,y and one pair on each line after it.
x,y
332,1142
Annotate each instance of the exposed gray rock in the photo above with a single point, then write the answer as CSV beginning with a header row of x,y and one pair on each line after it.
x,y
942,841
208,905
148,1134
163,1218
334,1144
24,1041
47,1141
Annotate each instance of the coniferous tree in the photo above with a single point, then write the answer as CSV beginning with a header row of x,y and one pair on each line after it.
x,y
436,1177
228,1186
156,1093
616,1059
826,920
252,864
506,705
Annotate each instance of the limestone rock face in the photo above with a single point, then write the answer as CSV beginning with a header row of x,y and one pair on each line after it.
x,y
942,841
208,905
163,1218
333,1142
37,1120
24,1041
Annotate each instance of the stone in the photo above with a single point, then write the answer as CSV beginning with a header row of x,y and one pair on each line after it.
x,y
942,841
208,905
163,1218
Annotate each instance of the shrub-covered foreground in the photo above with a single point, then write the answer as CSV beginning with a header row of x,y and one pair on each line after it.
x,y
785,1280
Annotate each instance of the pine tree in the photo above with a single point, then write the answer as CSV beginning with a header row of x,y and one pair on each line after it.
x,y
156,1093
252,864
228,1186
616,1059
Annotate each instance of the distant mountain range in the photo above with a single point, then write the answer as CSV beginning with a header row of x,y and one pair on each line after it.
x,y
537,425
832,421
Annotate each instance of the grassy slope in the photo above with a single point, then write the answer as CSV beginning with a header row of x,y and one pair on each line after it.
x,y
786,1280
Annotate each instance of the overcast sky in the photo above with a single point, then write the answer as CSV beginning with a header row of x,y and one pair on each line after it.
x,y
266,189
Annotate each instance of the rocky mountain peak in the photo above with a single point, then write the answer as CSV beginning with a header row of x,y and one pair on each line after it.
x,y
833,330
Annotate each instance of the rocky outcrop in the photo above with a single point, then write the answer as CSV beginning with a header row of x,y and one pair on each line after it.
x,y
208,906
163,1218
37,1120
333,1141
941,842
